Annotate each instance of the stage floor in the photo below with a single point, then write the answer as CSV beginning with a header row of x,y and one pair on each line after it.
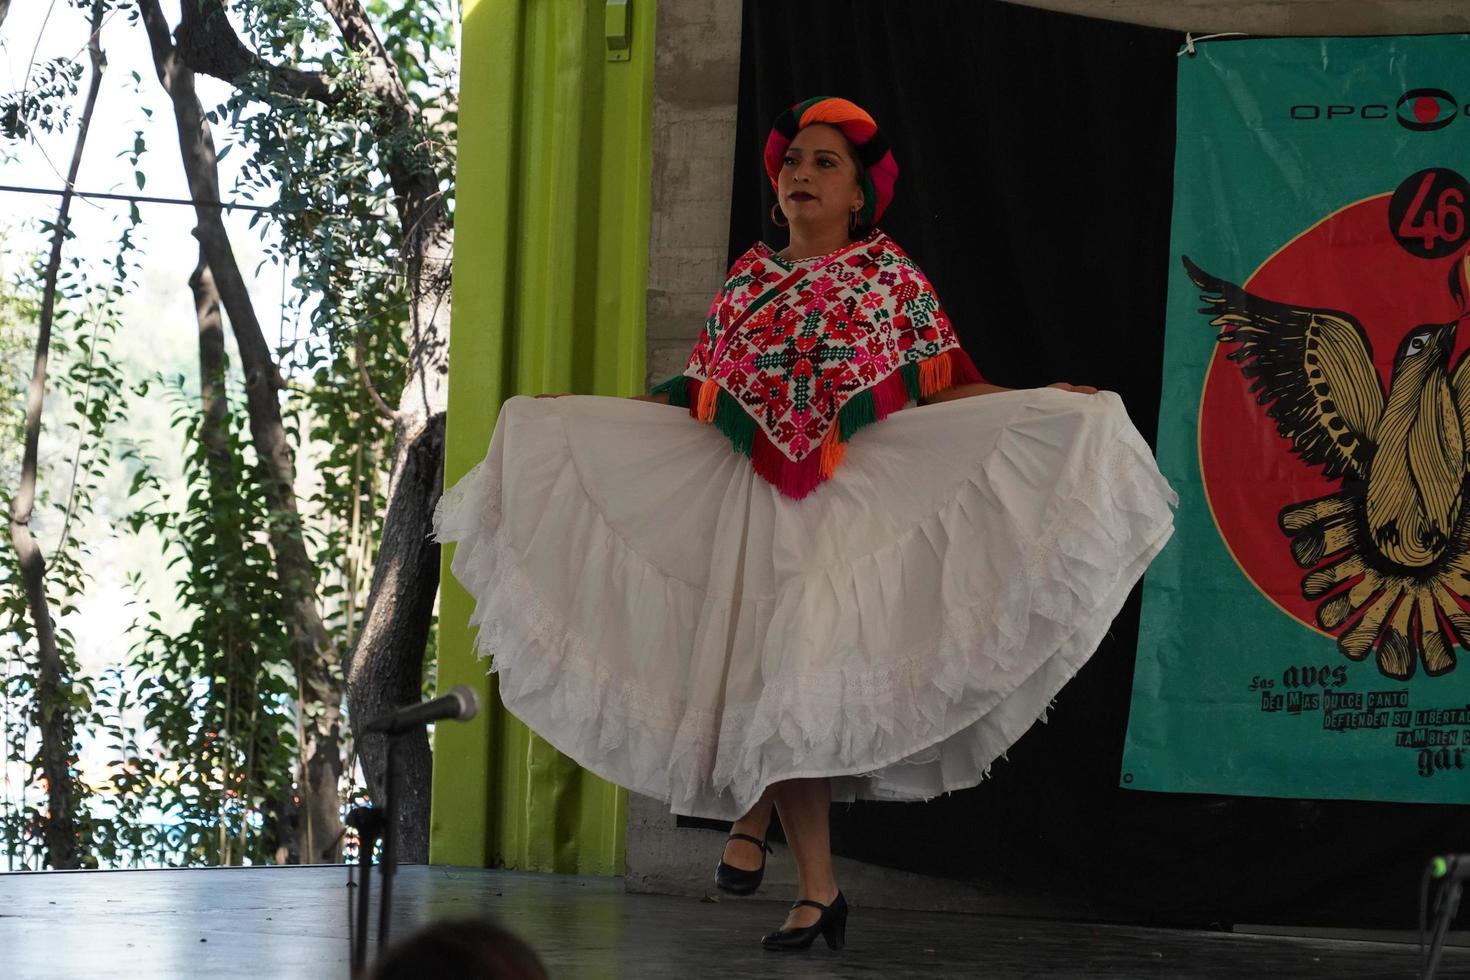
x,y
287,923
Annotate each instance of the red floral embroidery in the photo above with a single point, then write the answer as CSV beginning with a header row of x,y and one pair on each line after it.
x,y
845,326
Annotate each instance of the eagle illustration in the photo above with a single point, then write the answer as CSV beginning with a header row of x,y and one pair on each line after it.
x,y
1388,555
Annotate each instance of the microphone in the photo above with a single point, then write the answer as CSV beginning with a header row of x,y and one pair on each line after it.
x,y
460,704
1451,867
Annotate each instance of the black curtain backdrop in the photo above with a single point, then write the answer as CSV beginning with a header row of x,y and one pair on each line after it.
x,y
1036,154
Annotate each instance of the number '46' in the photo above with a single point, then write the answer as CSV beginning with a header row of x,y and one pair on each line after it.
x,y
1445,221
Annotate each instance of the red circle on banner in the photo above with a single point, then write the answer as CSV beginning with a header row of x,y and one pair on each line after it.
x,y
1349,262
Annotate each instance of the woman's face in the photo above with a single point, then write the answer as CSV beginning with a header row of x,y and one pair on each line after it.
x,y
818,184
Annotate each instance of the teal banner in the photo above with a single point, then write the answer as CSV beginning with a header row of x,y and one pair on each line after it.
x,y
1301,635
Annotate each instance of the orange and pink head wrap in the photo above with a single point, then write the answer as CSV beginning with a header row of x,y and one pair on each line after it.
x,y
880,170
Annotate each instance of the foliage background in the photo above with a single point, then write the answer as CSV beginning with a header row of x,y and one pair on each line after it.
x,y
185,699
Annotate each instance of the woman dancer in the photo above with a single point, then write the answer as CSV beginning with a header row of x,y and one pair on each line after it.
x,y
836,609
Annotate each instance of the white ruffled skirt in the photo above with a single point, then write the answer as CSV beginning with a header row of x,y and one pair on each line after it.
x,y
666,618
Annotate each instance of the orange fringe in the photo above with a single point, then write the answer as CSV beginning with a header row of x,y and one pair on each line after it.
x,y
709,393
832,451
935,374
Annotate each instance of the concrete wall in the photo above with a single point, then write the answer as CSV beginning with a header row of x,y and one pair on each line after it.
x,y
696,77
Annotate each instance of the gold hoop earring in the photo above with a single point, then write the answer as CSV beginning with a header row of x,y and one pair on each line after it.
x,y
778,217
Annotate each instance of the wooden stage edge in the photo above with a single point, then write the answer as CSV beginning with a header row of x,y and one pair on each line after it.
x,y
290,923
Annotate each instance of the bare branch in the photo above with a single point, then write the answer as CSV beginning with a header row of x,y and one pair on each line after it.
x,y
57,727
383,78
208,44
213,403
76,463
384,409
157,29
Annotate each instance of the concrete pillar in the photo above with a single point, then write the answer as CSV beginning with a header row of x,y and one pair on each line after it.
x,y
696,80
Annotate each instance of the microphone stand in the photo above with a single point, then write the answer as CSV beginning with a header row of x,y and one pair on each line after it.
x,y
390,841
368,823
1447,903
461,704
373,823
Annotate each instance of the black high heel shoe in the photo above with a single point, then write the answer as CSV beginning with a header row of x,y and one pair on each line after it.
x,y
739,881
831,926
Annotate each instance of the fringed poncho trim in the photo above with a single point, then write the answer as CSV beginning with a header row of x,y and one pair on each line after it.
x,y
792,362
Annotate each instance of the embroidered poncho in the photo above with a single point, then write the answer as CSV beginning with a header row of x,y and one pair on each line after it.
x,y
797,356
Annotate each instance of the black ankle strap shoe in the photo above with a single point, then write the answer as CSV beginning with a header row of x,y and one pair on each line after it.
x,y
739,881
831,926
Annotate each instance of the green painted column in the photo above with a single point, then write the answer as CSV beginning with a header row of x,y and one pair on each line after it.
x,y
550,272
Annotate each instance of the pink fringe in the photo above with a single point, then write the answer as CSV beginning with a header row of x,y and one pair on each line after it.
x,y
962,370
889,395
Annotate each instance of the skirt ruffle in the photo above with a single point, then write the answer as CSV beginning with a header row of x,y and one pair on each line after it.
x,y
670,621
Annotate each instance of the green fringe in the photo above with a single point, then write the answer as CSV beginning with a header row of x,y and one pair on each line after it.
x,y
910,372
737,425
732,420
857,412
677,388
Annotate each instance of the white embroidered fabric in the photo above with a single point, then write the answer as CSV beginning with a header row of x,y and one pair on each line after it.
x,y
665,617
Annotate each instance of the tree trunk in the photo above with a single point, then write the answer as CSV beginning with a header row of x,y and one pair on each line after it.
x,y
406,576
318,671
387,666
223,475
53,686
390,649
213,412
213,405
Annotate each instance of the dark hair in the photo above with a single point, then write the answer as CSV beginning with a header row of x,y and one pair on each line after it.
x,y
860,229
475,949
